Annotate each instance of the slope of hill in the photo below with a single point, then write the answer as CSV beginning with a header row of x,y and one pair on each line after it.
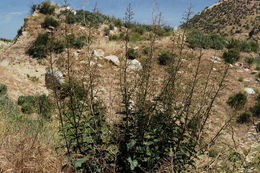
x,y
231,17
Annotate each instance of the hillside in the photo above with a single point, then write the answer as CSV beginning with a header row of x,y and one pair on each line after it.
x,y
107,95
230,17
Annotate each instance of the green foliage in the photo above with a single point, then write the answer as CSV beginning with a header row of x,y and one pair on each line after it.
x,y
106,31
57,46
27,104
76,42
3,89
44,106
206,41
245,117
134,37
50,21
39,47
165,58
46,7
132,54
249,61
237,101
36,104
84,129
213,153
231,56
242,45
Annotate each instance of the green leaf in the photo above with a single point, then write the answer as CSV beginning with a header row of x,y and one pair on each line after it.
x,y
78,162
133,163
131,144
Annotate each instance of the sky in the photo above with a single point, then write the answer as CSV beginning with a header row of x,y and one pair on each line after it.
x,y
12,12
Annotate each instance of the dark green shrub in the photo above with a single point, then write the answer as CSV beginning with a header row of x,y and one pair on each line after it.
x,y
106,31
75,86
76,42
26,100
233,44
44,106
3,89
213,153
245,46
57,46
134,37
131,54
146,50
244,118
257,127
256,109
231,56
111,27
27,108
46,7
39,48
113,37
237,101
50,21
165,58
201,40
249,61
254,46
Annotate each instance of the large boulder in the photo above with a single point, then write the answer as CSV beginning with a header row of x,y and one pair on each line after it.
x,y
53,78
114,59
134,65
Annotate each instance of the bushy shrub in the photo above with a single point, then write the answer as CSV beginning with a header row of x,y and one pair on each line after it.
x,y
249,61
26,100
206,41
256,109
50,21
57,46
46,7
244,117
36,104
76,42
165,58
39,47
134,37
243,45
3,89
231,56
237,101
44,106
106,31
27,104
131,54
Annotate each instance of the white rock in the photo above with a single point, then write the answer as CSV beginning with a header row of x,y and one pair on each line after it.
x,y
114,59
99,53
53,78
214,69
249,91
134,65
215,58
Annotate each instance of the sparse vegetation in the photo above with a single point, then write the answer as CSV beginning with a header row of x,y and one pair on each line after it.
x,y
76,42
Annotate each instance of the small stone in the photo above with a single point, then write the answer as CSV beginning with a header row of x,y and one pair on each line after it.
x,y
249,91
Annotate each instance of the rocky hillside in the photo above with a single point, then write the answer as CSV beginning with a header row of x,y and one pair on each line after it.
x,y
231,17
